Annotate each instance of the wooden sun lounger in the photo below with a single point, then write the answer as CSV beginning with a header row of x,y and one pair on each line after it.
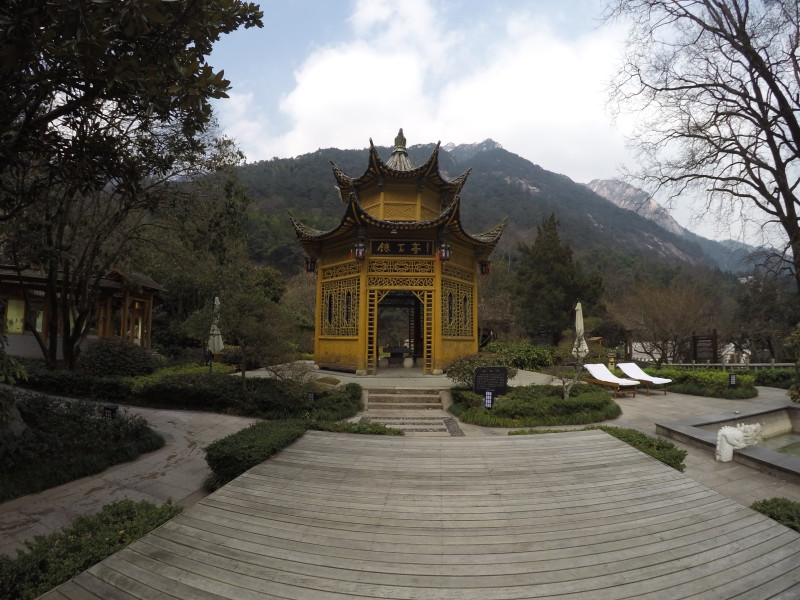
x,y
633,371
602,376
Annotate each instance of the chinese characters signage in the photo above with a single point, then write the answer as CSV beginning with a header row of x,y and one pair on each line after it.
x,y
400,248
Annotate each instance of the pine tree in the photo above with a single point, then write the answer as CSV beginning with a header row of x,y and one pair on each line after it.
x,y
551,282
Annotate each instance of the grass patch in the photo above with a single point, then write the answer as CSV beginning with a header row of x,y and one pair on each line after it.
x,y
50,560
784,511
660,449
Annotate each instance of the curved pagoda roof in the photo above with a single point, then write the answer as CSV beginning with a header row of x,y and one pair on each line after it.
x,y
399,169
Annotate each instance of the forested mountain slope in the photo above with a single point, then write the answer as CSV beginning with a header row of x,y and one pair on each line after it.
x,y
501,184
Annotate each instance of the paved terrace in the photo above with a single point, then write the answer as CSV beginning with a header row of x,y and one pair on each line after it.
x,y
578,515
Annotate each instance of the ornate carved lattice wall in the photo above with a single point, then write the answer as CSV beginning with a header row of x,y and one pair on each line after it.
x,y
340,306
456,309
342,270
400,274
457,302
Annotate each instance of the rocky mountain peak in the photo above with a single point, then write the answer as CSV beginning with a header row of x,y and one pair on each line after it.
x,y
634,199
464,152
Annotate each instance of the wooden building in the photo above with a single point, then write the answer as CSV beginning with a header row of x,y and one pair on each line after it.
x,y
124,309
400,244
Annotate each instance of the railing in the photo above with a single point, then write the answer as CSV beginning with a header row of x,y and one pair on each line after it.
x,y
732,366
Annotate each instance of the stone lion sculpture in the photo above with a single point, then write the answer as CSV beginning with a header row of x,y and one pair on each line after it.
x,y
735,438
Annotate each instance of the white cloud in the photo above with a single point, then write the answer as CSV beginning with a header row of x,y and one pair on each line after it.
x,y
505,76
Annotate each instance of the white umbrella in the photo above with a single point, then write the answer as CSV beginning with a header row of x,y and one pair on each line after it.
x,y
580,348
215,343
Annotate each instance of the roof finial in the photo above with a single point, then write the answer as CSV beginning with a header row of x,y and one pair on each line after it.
x,y
399,158
400,141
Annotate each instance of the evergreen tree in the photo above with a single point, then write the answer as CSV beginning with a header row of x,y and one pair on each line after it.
x,y
551,282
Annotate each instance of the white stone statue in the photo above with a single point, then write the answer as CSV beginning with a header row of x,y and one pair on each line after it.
x,y
741,436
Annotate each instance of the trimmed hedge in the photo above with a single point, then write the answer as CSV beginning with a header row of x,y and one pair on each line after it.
x,y
337,404
116,357
51,560
784,511
706,382
462,370
778,378
190,387
231,456
537,405
524,355
65,440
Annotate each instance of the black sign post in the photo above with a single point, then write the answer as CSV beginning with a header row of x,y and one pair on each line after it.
x,y
490,382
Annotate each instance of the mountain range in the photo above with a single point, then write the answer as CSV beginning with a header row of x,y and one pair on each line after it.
x,y
604,216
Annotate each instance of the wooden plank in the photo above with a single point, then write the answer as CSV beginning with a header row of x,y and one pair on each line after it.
x,y
578,515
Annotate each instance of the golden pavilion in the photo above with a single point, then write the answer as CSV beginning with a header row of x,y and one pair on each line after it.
x,y
399,245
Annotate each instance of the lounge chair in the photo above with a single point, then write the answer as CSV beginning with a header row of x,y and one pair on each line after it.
x,y
602,376
633,371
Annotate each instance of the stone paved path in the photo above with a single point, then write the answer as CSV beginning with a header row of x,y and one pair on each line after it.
x,y
175,472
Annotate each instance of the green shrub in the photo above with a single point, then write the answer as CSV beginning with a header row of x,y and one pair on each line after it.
x,y
232,356
778,378
537,405
462,370
192,387
231,456
116,357
192,391
7,402
139,383
524,355
56,381
784,511
337,404
466,398
270,398
11,368
51,560
707,382
66,440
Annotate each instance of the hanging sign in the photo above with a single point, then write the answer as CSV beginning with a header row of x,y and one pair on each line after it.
x,y
400,248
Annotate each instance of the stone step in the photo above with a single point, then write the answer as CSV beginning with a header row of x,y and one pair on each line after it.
x,y
403,406
395,391
404,399
418,425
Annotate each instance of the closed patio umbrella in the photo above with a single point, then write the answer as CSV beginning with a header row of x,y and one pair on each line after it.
x,y
579,348
215,343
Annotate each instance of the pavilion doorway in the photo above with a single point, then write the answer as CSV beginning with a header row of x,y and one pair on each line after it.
x,y
400,325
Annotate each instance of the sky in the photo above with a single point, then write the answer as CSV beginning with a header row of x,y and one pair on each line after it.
x,y
530,74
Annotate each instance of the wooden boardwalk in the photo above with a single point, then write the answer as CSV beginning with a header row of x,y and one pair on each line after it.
x,y
573,515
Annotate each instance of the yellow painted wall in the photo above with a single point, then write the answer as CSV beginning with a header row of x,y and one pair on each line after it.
x,y
341,352
15,316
